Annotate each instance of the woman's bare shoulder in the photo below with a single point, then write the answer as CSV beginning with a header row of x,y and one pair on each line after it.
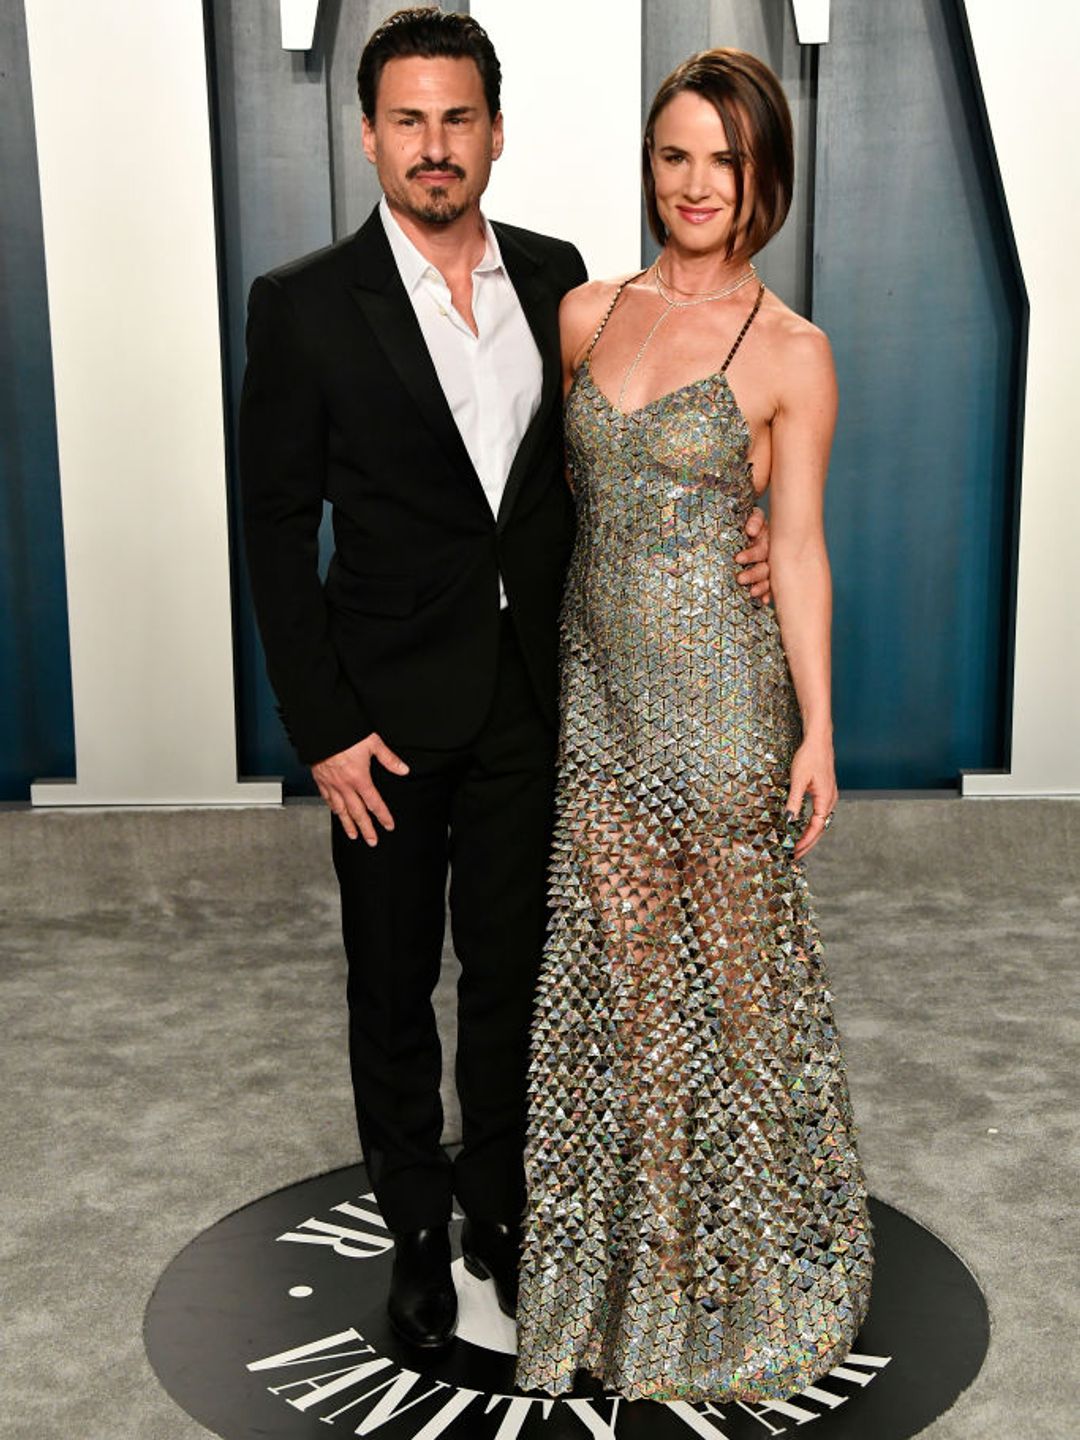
x,y
793,339
800,358
584,307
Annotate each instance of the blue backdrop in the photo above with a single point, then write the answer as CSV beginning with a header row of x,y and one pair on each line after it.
x,y
36,731
915,283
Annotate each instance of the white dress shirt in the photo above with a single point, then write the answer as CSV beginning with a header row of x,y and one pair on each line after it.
x,y
491,380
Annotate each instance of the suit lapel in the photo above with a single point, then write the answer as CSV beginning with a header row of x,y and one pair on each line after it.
x,y
542,313
385,305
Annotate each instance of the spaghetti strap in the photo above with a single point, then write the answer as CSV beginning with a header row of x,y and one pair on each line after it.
x,y
742,333
607,313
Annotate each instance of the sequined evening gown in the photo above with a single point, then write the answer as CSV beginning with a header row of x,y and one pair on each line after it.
x,y
696,1224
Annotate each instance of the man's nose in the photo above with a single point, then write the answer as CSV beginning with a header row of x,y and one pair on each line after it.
x,y
436,144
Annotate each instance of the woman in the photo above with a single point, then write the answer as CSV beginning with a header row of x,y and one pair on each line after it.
x,y
696,1225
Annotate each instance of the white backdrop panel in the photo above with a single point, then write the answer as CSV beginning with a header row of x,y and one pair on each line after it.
x,y
123,136
1034,111
572,105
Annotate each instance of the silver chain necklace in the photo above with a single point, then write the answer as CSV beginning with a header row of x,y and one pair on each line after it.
x,y
700,298
661,285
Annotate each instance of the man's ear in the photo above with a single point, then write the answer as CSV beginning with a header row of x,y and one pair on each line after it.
x,y
367,131
497,136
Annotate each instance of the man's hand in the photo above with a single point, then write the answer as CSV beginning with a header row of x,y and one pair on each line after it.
x,y
345,783
755,558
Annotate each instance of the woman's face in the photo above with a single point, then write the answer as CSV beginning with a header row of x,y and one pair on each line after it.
x,y
695,181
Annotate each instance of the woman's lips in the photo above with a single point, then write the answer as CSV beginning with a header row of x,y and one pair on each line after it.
x,y
695,216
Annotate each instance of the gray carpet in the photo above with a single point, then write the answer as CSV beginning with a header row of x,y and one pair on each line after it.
x,y
171,986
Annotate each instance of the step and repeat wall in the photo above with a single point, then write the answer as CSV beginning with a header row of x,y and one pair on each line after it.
x,y
155,158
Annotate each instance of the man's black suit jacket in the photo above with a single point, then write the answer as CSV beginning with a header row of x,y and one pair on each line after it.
x,y
341,402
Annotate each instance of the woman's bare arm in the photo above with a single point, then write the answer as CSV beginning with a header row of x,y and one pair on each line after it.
x,y
801,581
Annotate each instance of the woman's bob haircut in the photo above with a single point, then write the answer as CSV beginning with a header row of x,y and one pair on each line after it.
x,y
757,122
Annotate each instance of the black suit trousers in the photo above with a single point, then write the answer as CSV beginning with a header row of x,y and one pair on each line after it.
x,y
482,813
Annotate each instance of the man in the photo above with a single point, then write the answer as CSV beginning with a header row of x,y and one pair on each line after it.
x,y
411,376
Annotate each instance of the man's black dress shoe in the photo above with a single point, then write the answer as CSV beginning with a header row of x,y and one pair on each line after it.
x,y
423,1302
493,1251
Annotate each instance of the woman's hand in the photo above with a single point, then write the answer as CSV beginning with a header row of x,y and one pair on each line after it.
x,y
813,773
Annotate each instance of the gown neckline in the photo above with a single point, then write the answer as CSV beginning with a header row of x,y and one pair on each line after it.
x,y
721,375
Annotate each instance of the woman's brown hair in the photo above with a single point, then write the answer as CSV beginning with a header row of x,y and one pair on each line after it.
x,y
754,112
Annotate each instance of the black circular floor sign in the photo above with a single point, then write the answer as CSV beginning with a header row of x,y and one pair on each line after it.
x,y
272,1324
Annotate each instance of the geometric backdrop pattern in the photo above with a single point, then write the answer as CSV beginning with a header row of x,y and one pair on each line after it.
x,y
897,247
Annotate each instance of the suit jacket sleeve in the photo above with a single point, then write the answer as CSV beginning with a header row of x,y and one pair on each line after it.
x,y
282,481
578,273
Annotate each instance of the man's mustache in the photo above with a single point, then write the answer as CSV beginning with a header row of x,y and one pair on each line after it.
x,y
428,167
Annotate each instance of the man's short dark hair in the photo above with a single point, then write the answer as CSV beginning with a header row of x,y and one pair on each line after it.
x,y
434,34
